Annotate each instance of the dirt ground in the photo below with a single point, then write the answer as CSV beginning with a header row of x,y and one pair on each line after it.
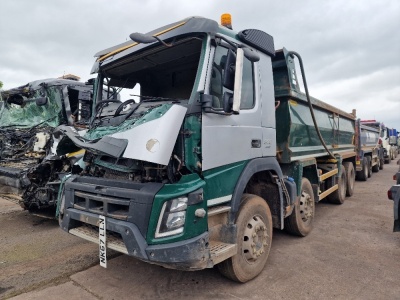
x,y
352,253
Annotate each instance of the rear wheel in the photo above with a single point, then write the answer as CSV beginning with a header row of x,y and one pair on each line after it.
x,y
300,222
338,196
369,164
363,174
381,163
254,225
377,166
350,178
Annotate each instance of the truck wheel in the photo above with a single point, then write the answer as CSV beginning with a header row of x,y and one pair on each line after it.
x,y
381,163
363,174
351,177
254,226
377,166
338,196
300,222
369,164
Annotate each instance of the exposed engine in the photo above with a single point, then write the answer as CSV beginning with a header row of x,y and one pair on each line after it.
x,y
27,169
44,181
133,170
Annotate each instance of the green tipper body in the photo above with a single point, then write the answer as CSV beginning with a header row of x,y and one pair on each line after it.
x,y
296,135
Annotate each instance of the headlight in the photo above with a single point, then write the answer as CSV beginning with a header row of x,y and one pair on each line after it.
x,y
172,217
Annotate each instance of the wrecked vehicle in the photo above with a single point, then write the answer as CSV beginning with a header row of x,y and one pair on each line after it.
x,y
29,170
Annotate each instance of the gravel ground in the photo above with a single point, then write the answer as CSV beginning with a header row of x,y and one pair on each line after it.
x,y
352,253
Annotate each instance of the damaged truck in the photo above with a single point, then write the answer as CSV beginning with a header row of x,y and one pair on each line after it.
x,y
221,147
30,172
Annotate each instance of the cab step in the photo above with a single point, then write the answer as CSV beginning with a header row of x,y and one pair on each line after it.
x,y
92,235
221,251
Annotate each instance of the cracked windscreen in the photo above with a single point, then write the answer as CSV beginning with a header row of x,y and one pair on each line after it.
x,y
21,110
145,81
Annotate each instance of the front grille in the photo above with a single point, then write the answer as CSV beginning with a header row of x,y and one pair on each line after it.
x,y
118,199
114,207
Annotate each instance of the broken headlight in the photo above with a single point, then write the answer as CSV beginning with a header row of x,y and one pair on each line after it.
x,y
172,217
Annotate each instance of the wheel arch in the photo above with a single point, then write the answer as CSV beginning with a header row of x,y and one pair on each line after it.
x,y
256,169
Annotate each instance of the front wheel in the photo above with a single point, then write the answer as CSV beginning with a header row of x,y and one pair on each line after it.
x,y
254,237
300,222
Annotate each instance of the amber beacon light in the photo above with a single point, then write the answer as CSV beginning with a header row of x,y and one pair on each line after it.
x,y
226,20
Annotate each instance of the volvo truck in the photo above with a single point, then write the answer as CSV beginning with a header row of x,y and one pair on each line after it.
x,y
214,145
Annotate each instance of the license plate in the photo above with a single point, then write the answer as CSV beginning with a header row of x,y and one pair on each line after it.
x,y
102,242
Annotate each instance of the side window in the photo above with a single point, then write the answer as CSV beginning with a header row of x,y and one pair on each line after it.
x,y
216,88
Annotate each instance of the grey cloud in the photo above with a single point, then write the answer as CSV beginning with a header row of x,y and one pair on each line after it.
x,y
350,48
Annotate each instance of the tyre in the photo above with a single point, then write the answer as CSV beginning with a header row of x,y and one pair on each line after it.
x,y
350,178
300,222
369,164
254,236
381,163
338,196
363,174
377,166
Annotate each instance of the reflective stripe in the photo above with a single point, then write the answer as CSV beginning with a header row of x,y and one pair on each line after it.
x,y
219,200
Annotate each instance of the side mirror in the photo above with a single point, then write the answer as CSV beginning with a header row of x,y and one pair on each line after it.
x,y
142,38
227,102
237,93
229,74
41,101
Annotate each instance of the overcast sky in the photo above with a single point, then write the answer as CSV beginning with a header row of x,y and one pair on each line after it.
x,y
350,48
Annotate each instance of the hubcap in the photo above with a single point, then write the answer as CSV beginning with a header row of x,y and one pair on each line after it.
x,y
306,206
255,239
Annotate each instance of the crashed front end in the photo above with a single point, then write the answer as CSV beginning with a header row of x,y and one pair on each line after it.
x,y
137,173
29,171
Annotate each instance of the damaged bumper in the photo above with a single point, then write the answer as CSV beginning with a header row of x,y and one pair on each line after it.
x,y
127,208
126,238
13,181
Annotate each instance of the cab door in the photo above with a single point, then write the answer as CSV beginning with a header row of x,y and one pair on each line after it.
x,y
232,138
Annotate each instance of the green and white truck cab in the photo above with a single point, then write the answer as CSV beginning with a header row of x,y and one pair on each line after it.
x,y
216,147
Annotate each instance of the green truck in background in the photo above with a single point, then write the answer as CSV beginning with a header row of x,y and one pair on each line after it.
x,y
222,147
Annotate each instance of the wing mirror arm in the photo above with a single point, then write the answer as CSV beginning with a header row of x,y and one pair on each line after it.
x,y
206,104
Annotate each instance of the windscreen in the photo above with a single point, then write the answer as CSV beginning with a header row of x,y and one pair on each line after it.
x,y
28,114
144,85
161,73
